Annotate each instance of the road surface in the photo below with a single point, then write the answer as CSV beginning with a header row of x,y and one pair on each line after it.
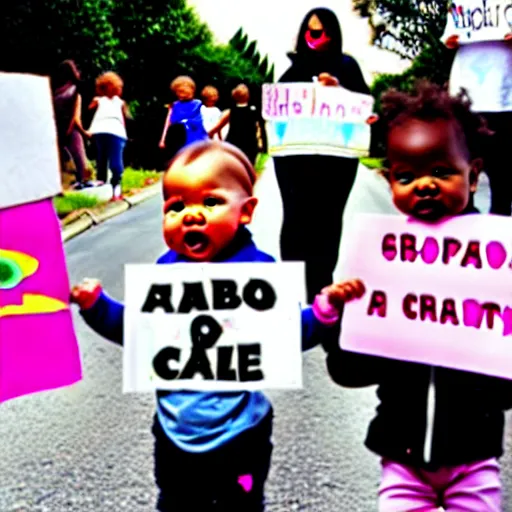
x,y
88,448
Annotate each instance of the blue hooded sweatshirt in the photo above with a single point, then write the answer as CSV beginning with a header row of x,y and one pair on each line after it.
x,y
202,421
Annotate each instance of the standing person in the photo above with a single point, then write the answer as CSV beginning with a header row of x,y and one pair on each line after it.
x,y
209,110
484,70
108,129
315,188
212,449
438,431
244,121
186,110
67,104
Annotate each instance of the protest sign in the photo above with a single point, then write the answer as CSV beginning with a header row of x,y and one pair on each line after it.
x,y
213,326
478,20
38,347
308,118
435,294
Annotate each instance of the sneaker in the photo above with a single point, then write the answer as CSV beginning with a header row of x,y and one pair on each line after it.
x,y
117,193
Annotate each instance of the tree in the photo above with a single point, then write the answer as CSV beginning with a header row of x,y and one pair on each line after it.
x,y
406,27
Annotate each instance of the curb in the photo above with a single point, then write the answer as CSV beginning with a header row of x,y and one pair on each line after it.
x,y
89,219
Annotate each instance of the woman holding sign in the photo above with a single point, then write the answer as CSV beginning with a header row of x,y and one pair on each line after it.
x,y
483,67
314,188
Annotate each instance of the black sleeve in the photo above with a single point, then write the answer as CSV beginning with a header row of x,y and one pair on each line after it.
x,y
352,77
353,370
292,74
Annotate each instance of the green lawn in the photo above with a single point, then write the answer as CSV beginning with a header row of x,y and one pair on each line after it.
x,y
133,179
372,163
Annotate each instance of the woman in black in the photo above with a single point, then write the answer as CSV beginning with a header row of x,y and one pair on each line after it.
x,y
315,188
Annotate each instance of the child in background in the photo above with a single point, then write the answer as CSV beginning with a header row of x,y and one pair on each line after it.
x,y
439,431
212,450
108,129
211,114
243,122
185,110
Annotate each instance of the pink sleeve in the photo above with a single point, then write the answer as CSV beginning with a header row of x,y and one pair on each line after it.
x,y
325,312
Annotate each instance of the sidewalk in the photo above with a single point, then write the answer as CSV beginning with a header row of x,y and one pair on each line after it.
x,y
88,218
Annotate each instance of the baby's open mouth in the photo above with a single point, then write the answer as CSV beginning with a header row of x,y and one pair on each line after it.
x,y
195,241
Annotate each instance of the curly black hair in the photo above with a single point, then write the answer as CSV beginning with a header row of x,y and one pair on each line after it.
x,y
428,102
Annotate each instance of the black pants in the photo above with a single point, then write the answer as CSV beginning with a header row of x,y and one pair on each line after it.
x,y
209,482
314,190
497,164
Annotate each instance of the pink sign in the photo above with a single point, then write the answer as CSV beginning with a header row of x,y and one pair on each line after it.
x,y
435,294
38,348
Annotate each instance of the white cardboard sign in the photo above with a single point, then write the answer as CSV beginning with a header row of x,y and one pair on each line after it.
x,y
213,327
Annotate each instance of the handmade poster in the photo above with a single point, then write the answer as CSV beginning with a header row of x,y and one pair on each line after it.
x,y
435,294
478,20
308,118
222,327
38,347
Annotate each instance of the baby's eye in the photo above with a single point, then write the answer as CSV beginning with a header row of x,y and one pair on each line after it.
x,y
177,206
404,178
212,201
441,172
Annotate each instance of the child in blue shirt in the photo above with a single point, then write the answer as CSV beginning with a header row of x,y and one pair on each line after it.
x,y
186,110
212,450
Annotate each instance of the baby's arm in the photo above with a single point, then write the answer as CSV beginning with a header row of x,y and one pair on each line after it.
x,y
161,144
223,121
102,313
348,369
94,103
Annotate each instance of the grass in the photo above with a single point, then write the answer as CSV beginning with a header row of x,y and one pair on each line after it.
x,y
261,161
372,163
72,201
134,179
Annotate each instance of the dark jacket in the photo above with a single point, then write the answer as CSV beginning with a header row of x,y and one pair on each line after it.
x,y
467,420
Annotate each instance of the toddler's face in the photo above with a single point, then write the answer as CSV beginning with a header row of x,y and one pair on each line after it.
x,y
211,100
430,173
184,92
205,203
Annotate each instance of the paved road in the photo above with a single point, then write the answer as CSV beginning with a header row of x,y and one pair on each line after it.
x,y
89,448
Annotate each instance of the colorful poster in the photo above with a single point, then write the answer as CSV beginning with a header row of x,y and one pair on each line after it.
x,y
435,294
478,20
38,347
308,118
213,327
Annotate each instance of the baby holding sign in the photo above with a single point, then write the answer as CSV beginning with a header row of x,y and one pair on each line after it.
x,y
439,431
212,450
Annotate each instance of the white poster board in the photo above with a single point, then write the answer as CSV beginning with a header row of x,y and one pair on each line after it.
x,y
309,118
478,20
29,158
435,294
214,326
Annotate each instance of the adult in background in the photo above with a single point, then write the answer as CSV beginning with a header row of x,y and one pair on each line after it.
x,y
484,70
67,104
315,188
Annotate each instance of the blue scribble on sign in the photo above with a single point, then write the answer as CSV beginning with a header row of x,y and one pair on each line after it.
x,y
347,130
280,128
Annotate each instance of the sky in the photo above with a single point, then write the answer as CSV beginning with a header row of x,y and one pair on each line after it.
x,y
275,23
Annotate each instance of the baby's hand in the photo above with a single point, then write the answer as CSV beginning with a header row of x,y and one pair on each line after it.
x,y
340,293
328,79
86,293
